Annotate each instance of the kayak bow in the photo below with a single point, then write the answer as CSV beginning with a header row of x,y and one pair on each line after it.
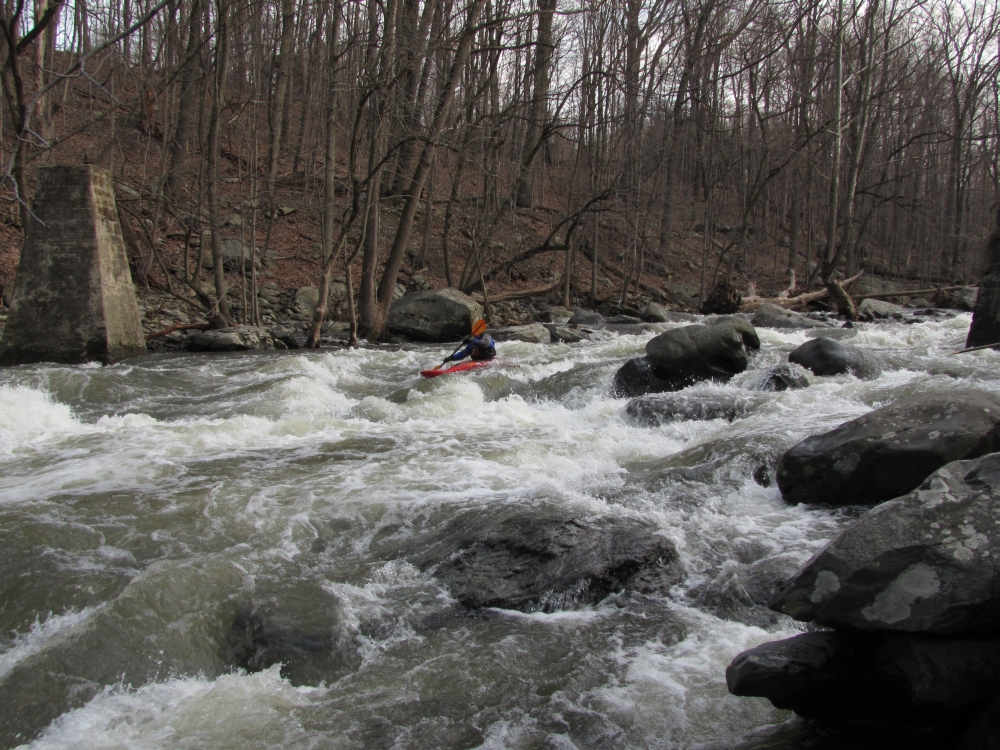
x,y
461,367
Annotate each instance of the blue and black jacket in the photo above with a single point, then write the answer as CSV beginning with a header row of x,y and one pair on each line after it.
x,y
479,348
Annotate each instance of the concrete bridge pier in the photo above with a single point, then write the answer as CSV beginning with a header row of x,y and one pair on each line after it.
x,y
73,298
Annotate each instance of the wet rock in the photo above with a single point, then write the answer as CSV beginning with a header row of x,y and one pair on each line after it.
x,y
773,316
567,335
985,328
623,320
582,317
557,315
824,356
548,562
658,409
902,678
782,377
535,333
434,315
890,451
682,356
963,299
655,313
877,309
290,337
837,334
926,562
255,642
235,339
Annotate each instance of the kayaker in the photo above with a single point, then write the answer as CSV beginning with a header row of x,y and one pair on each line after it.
x,y
480,345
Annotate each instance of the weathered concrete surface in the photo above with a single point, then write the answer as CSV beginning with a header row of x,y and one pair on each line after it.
x,y
73,297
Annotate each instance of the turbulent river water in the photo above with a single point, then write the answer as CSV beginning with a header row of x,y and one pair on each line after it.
x,y
146,506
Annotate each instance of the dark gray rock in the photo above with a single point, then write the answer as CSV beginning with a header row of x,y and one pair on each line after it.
x,y
583,317
655,313
556,315
984,731
772,316
290,337
779,378
638,377
683,356
824,356
902,678
926,562
255,642
623,319
434,315
548,562
534,333
890,451
985,328
658,409
235,339
877,309
567,335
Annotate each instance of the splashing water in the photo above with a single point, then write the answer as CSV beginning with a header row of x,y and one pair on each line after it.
x,y
147,507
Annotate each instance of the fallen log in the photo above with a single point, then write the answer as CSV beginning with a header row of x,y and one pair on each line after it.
x,y
915,292
749,304
171,329
518,293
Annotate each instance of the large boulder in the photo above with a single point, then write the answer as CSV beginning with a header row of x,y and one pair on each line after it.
x,y
770,315
235,339
824,356
236,255
985,328
434,315
548,562
534,333
902,678
682,356
926,562
890,451
879,309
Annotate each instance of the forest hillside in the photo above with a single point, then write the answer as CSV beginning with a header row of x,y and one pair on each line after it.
x,y
593,150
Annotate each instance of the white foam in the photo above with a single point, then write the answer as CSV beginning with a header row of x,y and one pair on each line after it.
x,y
233,711
41,633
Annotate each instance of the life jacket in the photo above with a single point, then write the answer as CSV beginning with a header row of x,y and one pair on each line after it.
x,y
483,348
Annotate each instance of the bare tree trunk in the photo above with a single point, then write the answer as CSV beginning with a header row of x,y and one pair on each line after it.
x,y
535,136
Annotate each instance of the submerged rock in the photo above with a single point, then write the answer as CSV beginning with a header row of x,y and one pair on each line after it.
x,y
890,451
824,356
549,562
683,356
654,410
434,315
255,642
926,562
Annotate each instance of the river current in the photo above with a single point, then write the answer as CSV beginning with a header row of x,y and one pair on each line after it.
x,y
145,506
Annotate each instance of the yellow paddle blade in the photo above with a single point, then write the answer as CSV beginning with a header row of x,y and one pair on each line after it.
x,y
478,328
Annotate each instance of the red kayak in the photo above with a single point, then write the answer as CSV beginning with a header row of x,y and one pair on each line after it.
x,y
461,367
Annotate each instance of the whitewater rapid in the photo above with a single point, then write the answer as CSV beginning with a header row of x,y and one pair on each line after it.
x,y
144,505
